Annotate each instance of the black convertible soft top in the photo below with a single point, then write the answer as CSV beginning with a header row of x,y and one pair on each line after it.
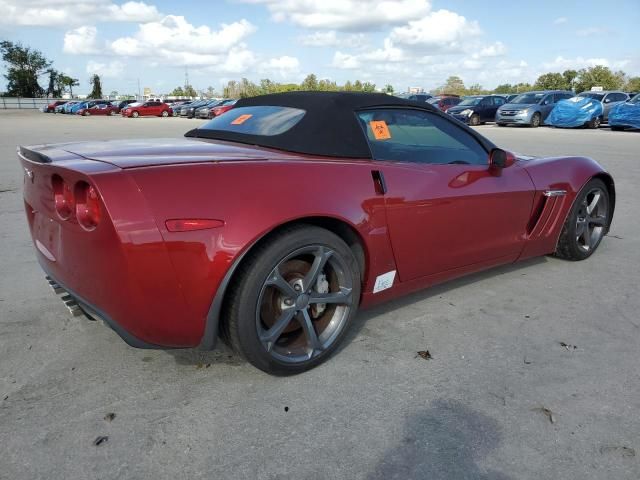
x,y
330,126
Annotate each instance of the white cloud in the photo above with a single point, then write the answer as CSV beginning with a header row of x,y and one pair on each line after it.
x,y
81,41
560,20
112,69
345,14
67,13
591,31
496,49
345,61
175,34
439,31
284,66
561,63
331,38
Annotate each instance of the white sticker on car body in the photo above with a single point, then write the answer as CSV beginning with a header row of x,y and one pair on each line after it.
x,y
384,281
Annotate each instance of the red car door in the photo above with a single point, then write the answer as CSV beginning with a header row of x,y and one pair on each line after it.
x,y
446,208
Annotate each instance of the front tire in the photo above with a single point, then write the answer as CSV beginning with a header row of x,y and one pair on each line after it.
x,y
474,121
293,300
587,222
535,120
165,114
135,114
594,122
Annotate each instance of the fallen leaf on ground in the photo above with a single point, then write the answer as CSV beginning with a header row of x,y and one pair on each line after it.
x,y
424,354
624,451
100,440
545,411
110,416
526,361
568,346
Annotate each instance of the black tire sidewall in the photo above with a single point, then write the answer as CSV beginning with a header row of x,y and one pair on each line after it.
x,y
242,328
535,124
567,244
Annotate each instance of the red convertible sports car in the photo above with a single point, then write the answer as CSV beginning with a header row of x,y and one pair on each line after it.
x,y
156,109
270,225
102,109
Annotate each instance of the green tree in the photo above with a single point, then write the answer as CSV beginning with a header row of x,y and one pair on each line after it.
x,y
348,86
569,78
453,85
388,88
309,83
55,88
327,85
24,66
177,92
368,87
475,89
357,86
551,81
68,82
598,76
632,85
96,83
189,91
523,87
210,92
504,88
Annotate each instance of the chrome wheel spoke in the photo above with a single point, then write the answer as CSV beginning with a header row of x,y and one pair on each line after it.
x,y
340,298
586,237
320,260
598,221
594,202
277,281
309,331
269,337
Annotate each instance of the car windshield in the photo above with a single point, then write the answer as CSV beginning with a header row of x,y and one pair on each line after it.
x,y
635,100
595,96
470,101
433,101
528,98
262,120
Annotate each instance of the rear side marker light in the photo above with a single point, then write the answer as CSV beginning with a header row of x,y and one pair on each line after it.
x,y
87,206
62,197
191,224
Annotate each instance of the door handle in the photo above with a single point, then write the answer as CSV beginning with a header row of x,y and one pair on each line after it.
x,y
378,182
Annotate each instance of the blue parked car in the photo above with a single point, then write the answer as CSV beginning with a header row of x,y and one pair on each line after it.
x,y
530,108
74,109
625,115
66,108
477,109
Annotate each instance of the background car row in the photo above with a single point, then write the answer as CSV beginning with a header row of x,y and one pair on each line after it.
x,y
133,108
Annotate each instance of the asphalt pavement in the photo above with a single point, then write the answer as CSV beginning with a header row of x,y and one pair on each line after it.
x,y
535,370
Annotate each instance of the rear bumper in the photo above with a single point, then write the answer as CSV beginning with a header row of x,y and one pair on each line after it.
x,y
96,313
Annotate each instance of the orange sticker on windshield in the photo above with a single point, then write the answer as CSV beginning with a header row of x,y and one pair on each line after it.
x,y
241,119
380,129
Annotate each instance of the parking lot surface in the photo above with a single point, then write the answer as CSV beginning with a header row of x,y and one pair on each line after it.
x,y
535,372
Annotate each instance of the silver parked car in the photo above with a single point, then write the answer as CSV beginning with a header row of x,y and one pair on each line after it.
x,y
530,108
608,98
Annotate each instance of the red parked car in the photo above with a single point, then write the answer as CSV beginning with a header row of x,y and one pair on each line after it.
x,y
102,109
272,224
51,108
220,109
444,102
157,109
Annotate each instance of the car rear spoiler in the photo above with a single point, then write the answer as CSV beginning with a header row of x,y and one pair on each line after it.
x,y
34,156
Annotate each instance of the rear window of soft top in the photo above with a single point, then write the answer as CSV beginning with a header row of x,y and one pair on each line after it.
x,y
260,120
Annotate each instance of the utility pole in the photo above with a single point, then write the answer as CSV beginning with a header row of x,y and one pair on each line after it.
x,y
186,77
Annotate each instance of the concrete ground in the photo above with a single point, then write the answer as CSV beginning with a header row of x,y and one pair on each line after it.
x,y
375,410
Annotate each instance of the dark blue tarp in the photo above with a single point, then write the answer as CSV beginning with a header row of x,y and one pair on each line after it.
x,y
625,114
574,112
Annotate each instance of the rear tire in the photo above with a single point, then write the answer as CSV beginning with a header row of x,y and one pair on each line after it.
x,y
135,114
274,318
586,223
474,121
165,114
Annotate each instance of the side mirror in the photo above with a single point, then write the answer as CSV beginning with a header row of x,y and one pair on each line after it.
x,y
607,100
499,158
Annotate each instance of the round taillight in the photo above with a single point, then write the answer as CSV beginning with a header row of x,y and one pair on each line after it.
x,y
62,197
87,206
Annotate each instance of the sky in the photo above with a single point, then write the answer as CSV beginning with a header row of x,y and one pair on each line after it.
x,y
405,43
